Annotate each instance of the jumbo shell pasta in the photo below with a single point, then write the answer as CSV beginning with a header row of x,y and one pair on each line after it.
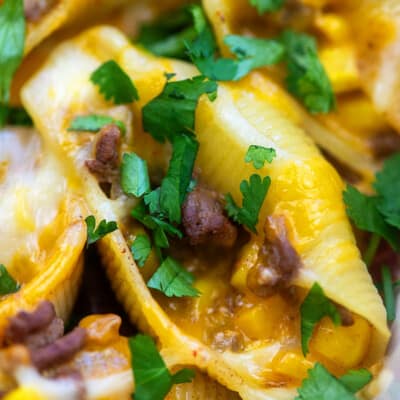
x,y
42,227
305,191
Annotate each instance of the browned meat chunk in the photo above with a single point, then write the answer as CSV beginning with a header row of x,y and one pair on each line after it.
x,y
385,144
278,261
24,324
60,350
204,220
106,153
47,335
34,9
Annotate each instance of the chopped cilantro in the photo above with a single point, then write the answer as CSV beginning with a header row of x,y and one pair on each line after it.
x,y
7,284
114,84
264,6
93,123
173,111
140,249
134,175
159,227
166,36
363,210
173,280
388,293
355,380
307,79
152,378
12,42
93,233
387,185
321,385
251,53
152,200
254,192
175,185
259,154
315,307
14,116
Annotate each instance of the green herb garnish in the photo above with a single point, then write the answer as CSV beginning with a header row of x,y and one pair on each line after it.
x,y
258,155
93,123
173,111
134,175
315,307
321,385
388,293
264,6
114,84
152,378
175,185
307,79
254,192
166,36
173,280
141,249
94,234
12,43
7,284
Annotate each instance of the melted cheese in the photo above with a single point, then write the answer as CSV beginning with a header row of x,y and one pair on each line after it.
x,y
31,190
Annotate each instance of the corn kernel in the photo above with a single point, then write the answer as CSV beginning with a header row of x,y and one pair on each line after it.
x,y
345,346
292,365
247,259
25,394
341,66
333,26
263,321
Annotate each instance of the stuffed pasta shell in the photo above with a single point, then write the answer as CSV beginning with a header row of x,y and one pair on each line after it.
x,y
227,286
42,227
360,144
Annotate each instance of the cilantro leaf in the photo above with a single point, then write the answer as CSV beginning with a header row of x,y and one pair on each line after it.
x,y
173,280
267,5
363,210
166,36
152,200
14,116
307,79
94,234
12,42
388,293
356,380
114,84
315,307
134,175
387,185
159,227
321,385
7,284
152,378
93,123
140,249
175,185
251,52
254,192
173,111
259,154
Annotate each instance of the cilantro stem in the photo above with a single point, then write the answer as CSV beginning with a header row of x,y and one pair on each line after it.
x,y
372,249
388,293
